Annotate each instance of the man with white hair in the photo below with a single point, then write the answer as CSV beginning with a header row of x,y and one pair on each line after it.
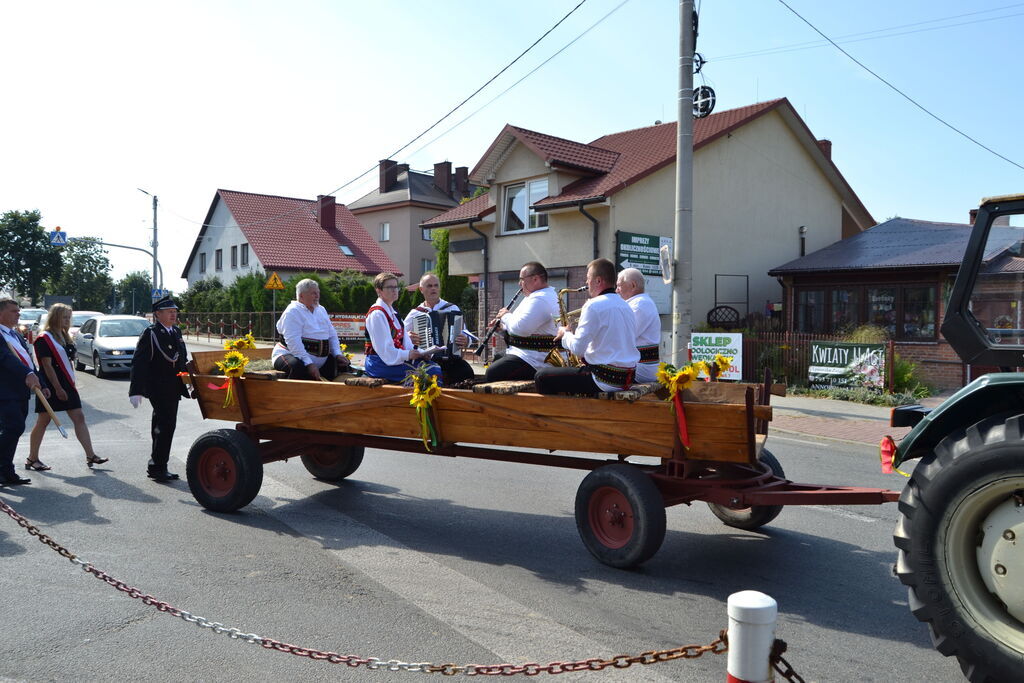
x,y
454,368
630,286
307,344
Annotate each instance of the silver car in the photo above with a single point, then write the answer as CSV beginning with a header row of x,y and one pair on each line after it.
x,y
107,343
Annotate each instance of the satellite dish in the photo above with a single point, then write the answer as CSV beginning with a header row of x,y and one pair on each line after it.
x,y
703,101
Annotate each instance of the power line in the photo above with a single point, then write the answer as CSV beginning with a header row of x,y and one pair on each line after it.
x,y
424,132
900,92
845,38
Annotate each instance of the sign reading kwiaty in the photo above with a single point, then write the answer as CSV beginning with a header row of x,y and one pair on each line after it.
x,y
841,364
706,346
643,252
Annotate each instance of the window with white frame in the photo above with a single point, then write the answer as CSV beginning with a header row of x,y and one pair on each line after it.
x,y
427,234
234,255
202,262
245,255
427,265
385,232
218,259
517,214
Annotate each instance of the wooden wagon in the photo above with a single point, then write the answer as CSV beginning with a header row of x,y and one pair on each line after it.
x,y
620,505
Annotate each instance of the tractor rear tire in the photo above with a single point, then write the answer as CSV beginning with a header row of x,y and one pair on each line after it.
x,y
960,536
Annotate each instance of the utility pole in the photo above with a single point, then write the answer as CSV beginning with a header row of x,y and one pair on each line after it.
x,y
682,243
157,284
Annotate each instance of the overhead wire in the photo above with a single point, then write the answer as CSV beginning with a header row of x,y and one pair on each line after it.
x,y
900,92
422,133
846,39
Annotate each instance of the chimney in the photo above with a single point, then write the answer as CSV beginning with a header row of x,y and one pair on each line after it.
x,y
325,212
462,181
443,176
388,175
973,216
402,168
826,148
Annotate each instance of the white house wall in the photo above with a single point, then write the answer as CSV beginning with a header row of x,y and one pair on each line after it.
x,y
752,190
222,233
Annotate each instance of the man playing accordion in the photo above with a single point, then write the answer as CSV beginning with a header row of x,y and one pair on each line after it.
x,y
440,315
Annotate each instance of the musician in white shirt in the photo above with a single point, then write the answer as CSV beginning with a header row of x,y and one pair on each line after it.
x,y
531,327
307,344
605,339
630,287
454,369
390,353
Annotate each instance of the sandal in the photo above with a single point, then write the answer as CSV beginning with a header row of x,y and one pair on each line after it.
x,y
91,460
37,465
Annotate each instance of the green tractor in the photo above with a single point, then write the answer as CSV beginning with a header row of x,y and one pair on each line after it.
x,y
960,533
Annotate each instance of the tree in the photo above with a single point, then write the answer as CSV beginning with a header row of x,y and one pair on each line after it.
x,y
26,258
134,292
85,275
451,286
203,296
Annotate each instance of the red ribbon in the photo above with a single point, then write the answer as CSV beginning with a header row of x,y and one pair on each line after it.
x,y
213,386
684,435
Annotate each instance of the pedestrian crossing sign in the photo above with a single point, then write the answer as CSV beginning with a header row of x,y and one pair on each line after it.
x,y
274,282
58,238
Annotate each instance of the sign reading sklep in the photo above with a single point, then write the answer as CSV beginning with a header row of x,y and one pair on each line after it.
x,y
840,364
705,346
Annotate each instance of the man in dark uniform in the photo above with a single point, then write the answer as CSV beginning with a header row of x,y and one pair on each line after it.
x,y
159,356
17,379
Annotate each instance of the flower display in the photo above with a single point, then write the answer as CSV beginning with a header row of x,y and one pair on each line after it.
x,y
244,342
233,365
425,391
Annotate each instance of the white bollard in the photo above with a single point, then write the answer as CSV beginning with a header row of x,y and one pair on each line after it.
x,y
751,633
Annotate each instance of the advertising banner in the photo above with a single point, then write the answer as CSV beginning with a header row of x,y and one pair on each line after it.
x,y
841,364
349,326
636,250
705,346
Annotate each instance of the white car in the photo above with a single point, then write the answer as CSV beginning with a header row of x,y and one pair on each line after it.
x,y
107,343
78,318
28,321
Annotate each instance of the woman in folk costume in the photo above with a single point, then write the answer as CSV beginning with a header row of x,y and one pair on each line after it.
x,y
55,351
390,353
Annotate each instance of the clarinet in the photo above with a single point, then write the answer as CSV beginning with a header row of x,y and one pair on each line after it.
x,y
490,333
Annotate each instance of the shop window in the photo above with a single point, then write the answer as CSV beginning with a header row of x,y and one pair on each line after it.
x,y
845,314
882,309
810,310
918,313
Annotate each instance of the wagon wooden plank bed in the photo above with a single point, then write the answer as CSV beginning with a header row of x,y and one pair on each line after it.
x,y
620,505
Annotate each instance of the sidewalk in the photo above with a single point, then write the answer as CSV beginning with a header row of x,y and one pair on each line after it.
x,y
797,415
843,420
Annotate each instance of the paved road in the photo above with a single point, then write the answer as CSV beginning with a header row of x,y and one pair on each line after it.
x,y
421,558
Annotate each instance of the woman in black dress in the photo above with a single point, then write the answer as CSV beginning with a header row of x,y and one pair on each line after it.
x,y
55,353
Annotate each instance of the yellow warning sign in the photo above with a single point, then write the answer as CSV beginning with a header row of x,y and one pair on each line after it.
x,y
274,282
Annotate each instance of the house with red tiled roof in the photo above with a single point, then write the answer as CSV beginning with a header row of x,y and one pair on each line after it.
x,y
404,198
765,188
246,232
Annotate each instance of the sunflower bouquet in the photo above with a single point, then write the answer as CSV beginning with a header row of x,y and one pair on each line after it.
x,y
232,367
245,342
677,379
425,391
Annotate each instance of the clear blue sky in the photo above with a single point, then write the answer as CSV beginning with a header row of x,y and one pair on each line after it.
x,y
298,98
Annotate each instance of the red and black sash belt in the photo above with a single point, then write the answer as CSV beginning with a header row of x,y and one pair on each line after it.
x,y
613,375
648,354
534,342
314,347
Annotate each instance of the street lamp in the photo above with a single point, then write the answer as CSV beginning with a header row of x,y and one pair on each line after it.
x,y
156,284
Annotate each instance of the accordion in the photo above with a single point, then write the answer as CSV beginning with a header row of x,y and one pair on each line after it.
x,y
438,331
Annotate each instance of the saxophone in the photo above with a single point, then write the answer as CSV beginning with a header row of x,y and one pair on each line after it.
x,y
559,357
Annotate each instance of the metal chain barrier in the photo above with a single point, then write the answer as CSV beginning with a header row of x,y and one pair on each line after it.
x,y
784,668
718,646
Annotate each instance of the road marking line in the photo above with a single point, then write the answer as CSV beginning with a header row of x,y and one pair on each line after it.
x,y
512,631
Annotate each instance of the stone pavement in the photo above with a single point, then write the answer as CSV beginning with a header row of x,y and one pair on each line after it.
x,y
841,420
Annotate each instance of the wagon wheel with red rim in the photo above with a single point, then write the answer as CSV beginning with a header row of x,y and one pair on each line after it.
x,y
620,515
332,463
224,470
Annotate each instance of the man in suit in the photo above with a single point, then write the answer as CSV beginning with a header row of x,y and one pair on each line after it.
x,y
159,356
17,380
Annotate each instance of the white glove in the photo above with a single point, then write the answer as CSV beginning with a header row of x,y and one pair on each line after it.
x,y
136,401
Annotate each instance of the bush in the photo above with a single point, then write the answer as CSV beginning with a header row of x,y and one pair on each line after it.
x,y
864,395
